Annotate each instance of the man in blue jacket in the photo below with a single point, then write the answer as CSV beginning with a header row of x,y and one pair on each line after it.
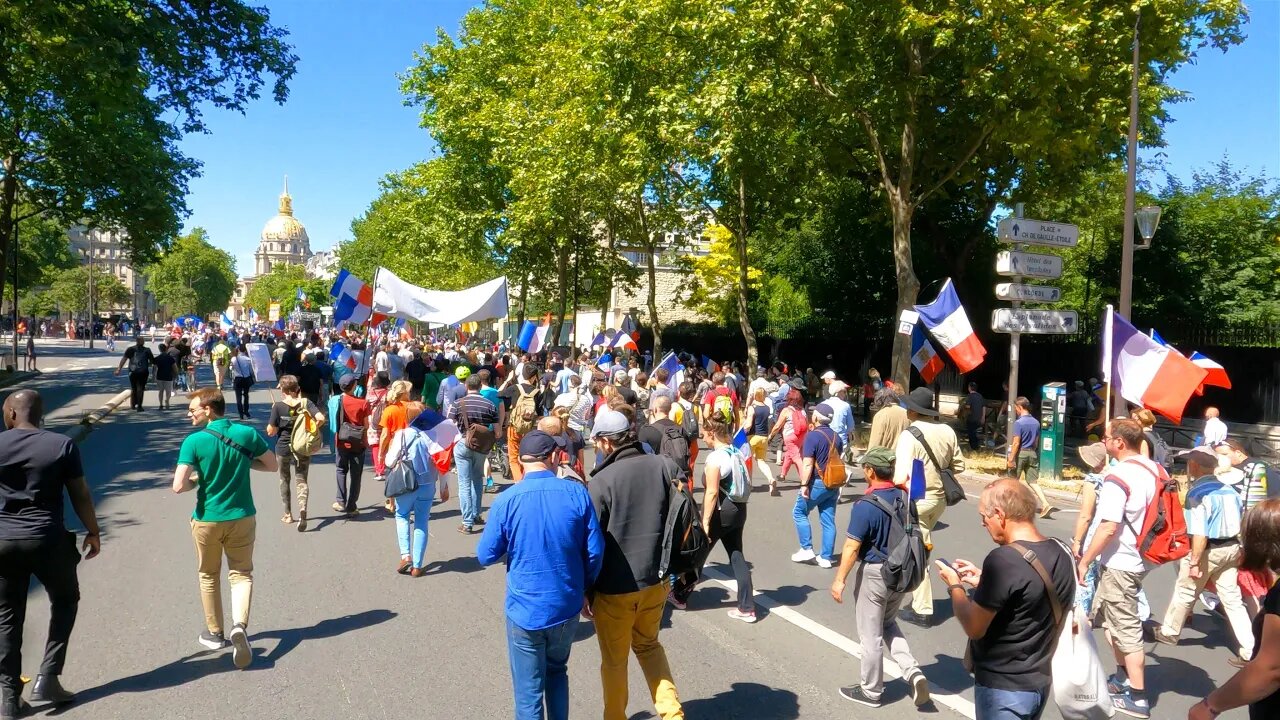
x,y
546,528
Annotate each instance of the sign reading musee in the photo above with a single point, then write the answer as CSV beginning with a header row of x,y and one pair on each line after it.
x,y
1028,293
1035,322
1009,262
1038,232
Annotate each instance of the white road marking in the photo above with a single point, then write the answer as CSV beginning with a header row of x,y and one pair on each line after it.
x,y
849,645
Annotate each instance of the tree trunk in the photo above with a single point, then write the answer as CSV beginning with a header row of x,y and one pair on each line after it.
x,y
524,303
652,247
748,333
908,289
562,282
611,238
8,207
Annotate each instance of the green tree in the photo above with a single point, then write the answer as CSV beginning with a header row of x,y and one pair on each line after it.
x,y
70,290
786,309
281,285
193,276
95,95
711,289
43,251
938,97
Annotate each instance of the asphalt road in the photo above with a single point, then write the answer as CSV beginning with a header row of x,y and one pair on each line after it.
x,y
338,634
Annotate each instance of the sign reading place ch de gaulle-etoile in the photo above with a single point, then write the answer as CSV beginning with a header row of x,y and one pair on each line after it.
x,y
1038,232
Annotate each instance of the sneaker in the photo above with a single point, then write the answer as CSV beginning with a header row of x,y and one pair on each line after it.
x,y
302,521
1116,686
675,602
855,693
338,507
824,563
241,651
802,555
213,641
919,688
746,617
1131,706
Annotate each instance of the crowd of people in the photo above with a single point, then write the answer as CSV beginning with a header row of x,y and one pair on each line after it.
x,y
602,540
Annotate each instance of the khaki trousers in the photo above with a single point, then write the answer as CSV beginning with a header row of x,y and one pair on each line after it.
x,y
627,622
930,511
1217,564
233,538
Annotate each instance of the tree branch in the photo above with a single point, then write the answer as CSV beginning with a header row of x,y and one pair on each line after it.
x,y
876,149
968,155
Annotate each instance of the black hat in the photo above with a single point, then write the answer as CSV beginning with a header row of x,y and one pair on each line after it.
x,y
538,444
920,401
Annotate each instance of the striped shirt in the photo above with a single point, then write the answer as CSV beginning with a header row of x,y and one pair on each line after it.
x,y
475,409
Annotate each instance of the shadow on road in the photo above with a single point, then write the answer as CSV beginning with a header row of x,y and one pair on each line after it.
x,y
198,665
746,700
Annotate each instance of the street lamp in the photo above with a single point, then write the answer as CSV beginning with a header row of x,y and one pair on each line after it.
x,y
1148,219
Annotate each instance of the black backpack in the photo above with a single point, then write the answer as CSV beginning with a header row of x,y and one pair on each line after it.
x,y
689,425
140,361
904,569
685,544
674,444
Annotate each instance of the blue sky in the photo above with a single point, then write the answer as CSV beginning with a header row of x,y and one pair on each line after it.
x,y
345,125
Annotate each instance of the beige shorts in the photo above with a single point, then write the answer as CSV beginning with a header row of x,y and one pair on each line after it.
x,y
759,446
1115,608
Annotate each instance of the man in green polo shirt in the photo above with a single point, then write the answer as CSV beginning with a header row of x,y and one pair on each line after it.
x,y
215,461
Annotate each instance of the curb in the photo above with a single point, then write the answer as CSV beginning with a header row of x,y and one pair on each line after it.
x,y
82,429
985,479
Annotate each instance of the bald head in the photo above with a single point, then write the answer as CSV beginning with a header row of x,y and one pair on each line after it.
x,y
1210,412
23,408
1011,497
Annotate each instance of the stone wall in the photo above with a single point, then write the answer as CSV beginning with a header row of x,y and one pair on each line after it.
x,y
670,291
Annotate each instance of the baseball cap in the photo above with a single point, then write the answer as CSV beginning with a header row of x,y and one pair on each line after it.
x,y
565,400
838,385
610,422
878,457
538,444
346,381
823,411
829,375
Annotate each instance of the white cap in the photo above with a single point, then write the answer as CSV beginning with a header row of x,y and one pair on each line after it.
x,y
829,375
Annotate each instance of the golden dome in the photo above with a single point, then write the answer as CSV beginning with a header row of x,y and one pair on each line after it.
x,y
284,227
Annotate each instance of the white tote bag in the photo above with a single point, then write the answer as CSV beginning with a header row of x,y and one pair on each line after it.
x,y
1079,680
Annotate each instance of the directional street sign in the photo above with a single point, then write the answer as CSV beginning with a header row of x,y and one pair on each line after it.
x,y
1035,322
1010,262
1028,293
1038,232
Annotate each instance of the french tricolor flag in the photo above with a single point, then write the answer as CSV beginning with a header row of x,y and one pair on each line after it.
x,y
1217,376
949,325
1144,372
743,446
353,299
441,434
923,357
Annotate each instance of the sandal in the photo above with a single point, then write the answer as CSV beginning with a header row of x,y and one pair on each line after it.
x,y
287,519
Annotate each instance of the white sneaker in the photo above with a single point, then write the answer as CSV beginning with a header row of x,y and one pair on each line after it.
x,y
746,617
802,555
241,651
824,563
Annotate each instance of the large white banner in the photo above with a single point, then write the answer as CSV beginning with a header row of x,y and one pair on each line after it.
x,y
396,298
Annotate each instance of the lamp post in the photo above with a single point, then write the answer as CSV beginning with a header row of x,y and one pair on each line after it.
x,y
1126,252
1148,219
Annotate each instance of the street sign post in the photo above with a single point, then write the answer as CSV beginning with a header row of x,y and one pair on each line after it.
x,y
1035,322
1025,264
1037,232
1028,293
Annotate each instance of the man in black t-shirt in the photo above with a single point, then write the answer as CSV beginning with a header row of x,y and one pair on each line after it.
x,y
165,364
1012,620
36,466
140,359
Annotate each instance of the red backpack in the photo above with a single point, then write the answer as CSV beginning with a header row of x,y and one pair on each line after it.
x,y
1163,537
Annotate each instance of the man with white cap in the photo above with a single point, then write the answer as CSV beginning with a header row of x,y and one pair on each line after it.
x,y
842,411
1213,512
828,377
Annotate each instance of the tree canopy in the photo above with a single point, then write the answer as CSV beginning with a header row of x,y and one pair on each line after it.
x,y
281,285
193,276
94,97
70,290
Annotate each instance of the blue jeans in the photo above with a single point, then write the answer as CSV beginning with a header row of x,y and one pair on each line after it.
x,y
540,669
470,465
419,503
996,704
825,501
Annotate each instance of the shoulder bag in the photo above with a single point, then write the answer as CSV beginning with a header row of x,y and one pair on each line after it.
x,y
230,443
951,489
477,438
348,432
401,477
